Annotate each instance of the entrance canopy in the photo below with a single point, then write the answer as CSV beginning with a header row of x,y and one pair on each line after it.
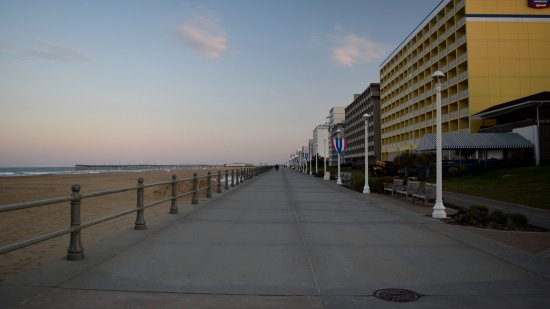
x,y
475,141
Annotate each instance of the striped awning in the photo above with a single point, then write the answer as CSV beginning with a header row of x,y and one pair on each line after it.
x,y
475,141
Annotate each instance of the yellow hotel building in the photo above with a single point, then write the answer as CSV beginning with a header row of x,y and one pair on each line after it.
x,y
491,51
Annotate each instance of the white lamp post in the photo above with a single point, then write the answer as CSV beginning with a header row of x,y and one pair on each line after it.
x,y
310,161
305,162
300,158
366,188
325,176
339,180
439,208
317,157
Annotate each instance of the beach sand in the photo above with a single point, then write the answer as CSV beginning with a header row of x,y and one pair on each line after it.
x,y
27,223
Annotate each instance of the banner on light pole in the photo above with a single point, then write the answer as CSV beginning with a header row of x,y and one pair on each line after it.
x,y
339,144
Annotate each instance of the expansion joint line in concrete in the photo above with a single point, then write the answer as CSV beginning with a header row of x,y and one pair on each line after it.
x,y
292,202
186,293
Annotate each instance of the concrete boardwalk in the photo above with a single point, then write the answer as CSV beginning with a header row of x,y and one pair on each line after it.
x,y
288,240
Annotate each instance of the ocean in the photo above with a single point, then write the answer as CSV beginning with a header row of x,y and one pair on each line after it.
x,y
32,171
85,169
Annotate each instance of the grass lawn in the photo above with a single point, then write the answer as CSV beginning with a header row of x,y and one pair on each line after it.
x,y
526,185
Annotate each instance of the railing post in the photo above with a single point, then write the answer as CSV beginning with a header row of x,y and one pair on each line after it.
x,y
194,199
140,218
219,183
174,206
75,251
226,186
209,185
237,180
242,170
253,172
232,177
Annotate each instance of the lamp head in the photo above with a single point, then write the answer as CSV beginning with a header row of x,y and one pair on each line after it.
x,y
438,76
366,116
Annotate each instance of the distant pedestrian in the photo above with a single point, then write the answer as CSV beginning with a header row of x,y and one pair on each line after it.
x,y
276,167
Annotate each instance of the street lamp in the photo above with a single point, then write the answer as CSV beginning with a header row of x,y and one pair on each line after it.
x,y
305,155
310,160
316,156
300,158
325,176
439,208
366,188
339,180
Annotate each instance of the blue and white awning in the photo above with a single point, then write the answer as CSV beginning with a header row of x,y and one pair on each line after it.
x,y
475,141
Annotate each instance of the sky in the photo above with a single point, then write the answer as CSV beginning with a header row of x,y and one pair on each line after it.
x,y
182,82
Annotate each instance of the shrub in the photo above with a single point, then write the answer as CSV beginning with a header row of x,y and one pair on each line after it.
x,y
517,218
357,181
376,184
453,171
480,208
498,216
475,214
458,170
320,173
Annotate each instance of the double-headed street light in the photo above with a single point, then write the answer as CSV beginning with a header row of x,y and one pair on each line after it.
x,y
366,188
439,208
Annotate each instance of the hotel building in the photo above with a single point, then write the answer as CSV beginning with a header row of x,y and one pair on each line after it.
x,y
490,51
320,141
335,120
366,102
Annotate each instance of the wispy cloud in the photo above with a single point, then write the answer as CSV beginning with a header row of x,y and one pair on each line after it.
x,y
53,51
204,35
350,50
43,49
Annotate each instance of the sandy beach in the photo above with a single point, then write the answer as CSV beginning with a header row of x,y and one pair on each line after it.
x,y
27,223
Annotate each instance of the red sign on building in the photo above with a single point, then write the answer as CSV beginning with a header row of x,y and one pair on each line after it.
x,y
539,4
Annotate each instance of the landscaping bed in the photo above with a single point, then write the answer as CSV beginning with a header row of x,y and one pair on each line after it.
x,y
479,216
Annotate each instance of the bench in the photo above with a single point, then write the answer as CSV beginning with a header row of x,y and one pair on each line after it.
x,y
409,189
393,187
345,176
426,192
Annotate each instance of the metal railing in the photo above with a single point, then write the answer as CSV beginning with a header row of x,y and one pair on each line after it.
x,y
76,251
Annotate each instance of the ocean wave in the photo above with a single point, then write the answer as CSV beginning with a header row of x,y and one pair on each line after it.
x,y
38,171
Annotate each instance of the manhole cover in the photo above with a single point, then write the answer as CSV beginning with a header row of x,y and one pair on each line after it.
x,y
397,295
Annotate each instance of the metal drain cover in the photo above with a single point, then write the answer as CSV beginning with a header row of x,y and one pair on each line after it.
x,y
397,295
